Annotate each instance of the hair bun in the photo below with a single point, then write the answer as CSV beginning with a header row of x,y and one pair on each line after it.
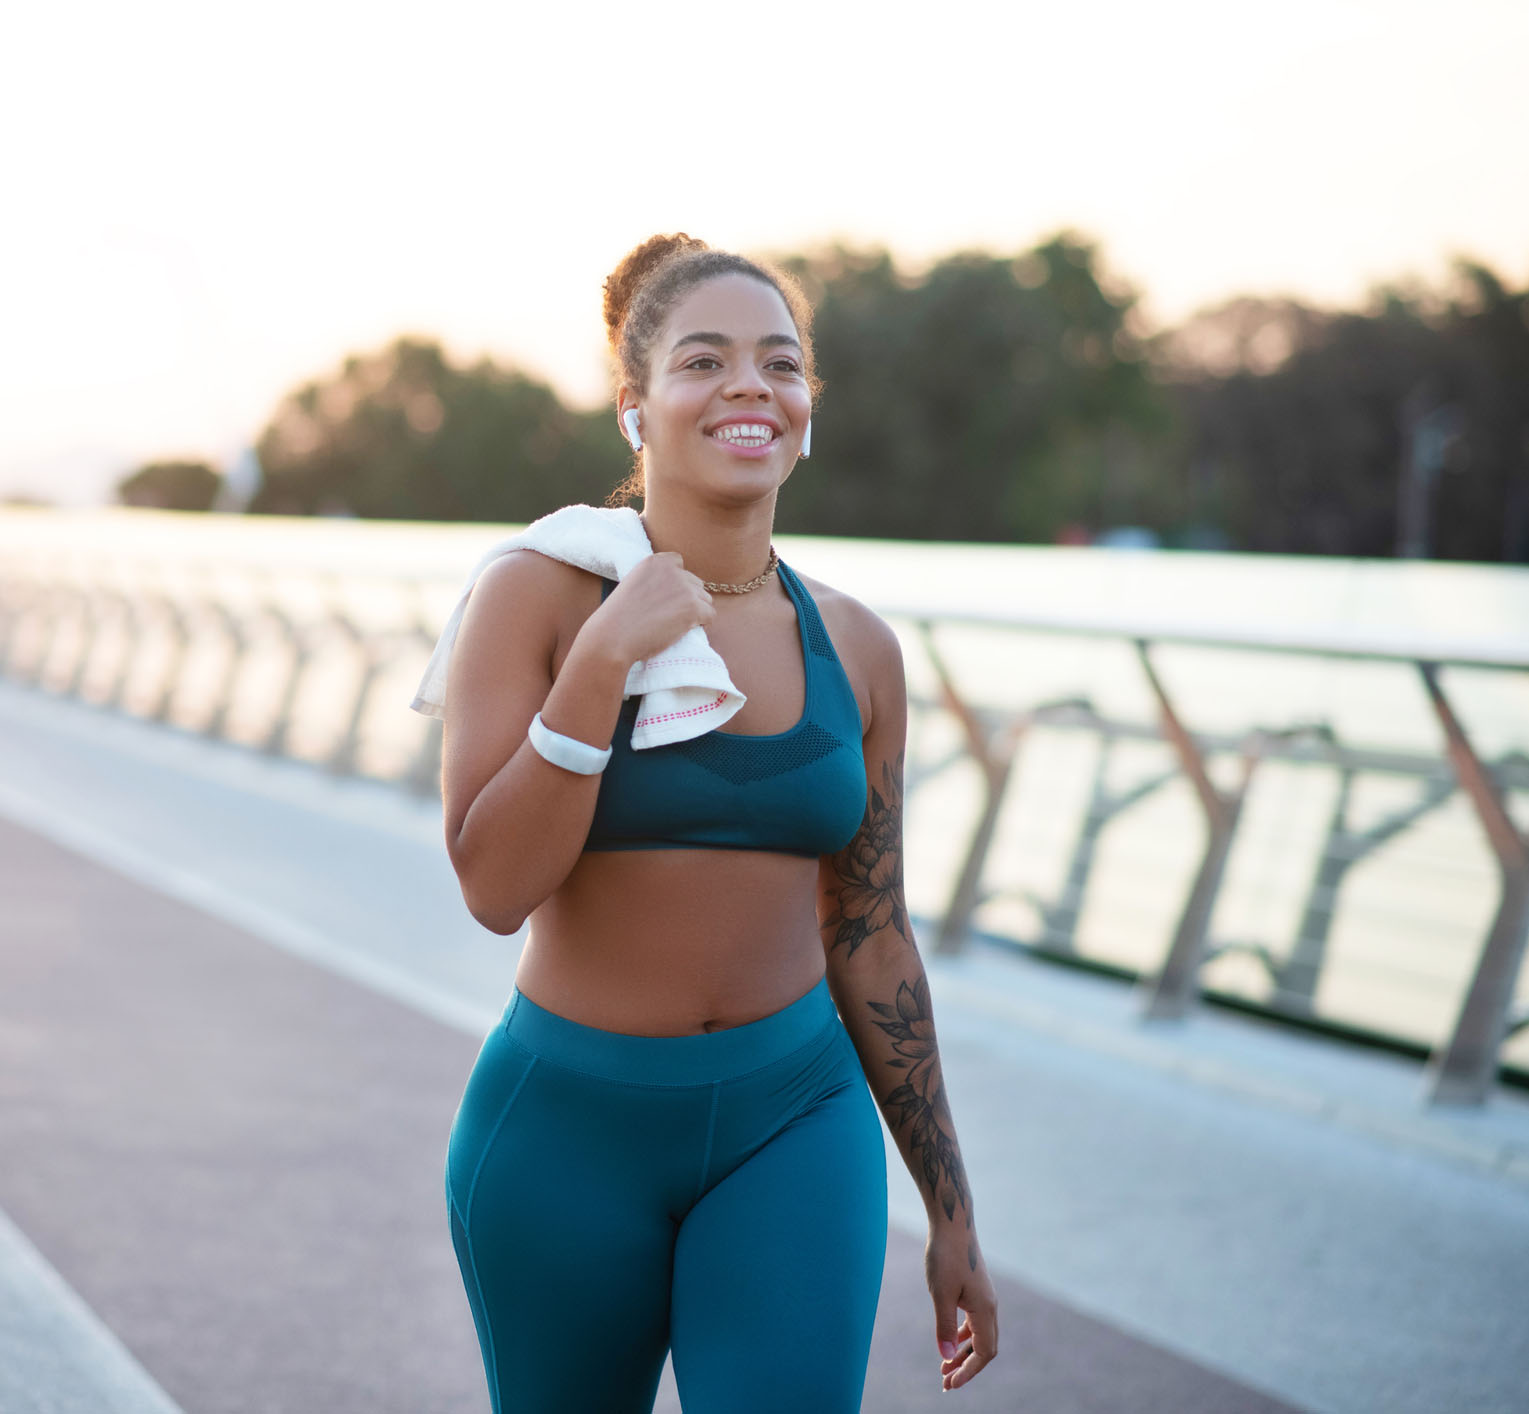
x,y
628,277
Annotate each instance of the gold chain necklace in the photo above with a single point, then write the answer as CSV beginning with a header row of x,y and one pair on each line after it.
x,y
759,579
752,584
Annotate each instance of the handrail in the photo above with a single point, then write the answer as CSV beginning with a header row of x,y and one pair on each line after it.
x,y
43,610
1464,1067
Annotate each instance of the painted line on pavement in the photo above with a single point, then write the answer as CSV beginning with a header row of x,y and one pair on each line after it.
x,y
268,924
56,1355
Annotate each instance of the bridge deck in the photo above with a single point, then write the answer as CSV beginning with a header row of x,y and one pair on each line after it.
x,y
223,1157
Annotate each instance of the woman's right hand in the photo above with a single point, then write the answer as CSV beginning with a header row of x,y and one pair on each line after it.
x,y
654,604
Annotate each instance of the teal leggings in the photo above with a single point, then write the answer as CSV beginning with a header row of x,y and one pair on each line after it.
x,y
724,1195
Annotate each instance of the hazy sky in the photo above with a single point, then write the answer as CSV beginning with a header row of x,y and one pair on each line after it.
x,y
205,206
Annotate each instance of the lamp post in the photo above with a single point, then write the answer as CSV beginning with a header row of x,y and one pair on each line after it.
x,y
1429,432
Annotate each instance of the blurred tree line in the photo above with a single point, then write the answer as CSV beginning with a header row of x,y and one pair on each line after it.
x,y
171,486
404,434
1001,398
1400,430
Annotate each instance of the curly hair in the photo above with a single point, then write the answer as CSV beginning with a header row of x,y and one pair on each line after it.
x,y
650,280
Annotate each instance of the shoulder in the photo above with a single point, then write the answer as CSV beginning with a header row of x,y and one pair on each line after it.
x,y
529,595
525,576
869,651
854,627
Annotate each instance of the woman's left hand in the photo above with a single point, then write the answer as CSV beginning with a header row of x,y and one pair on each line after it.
x,y
957,1276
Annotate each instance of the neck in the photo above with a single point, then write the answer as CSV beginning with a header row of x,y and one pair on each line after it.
x,y
726,546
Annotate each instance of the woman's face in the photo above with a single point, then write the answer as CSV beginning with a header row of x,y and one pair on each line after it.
x,y
727,398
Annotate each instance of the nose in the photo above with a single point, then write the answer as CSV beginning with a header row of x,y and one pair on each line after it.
x,y
747,382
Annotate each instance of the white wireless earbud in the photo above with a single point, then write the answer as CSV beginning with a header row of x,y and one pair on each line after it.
x,y
629,419
807,439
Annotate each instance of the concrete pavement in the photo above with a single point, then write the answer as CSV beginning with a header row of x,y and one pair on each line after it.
x,y
229,1151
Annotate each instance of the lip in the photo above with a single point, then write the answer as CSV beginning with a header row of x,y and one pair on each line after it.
x,y
758,419
747,420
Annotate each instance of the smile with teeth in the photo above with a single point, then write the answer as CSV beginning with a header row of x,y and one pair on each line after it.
x,y
745,434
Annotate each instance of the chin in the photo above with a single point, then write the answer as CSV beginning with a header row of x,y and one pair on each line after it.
x,y
742,490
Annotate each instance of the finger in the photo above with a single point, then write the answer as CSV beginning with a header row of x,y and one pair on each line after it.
x,y
945,1319
962,1336
962,1351
979,1345
975,1353
966,1371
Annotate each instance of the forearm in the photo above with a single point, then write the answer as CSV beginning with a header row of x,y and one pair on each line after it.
x,y
525,829
882,994
879,984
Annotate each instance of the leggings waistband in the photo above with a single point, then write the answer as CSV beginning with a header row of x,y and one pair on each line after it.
x,y
669,1060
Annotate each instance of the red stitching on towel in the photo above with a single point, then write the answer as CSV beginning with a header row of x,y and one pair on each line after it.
x,y
688,712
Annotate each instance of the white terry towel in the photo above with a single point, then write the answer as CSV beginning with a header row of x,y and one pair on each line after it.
x,y
685,690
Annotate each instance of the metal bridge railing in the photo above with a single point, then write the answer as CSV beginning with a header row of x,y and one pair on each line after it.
x,y
1463,1067
88,635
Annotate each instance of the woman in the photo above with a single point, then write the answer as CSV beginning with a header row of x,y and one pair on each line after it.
x,y
669,1141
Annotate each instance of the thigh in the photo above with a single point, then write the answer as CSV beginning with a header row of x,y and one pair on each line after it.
x,y
565,1251
777,1270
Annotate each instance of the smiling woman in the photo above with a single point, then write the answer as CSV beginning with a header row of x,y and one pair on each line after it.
x,y
640,296
670,1143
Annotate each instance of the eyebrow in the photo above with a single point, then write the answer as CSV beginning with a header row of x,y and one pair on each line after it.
x,y
721,341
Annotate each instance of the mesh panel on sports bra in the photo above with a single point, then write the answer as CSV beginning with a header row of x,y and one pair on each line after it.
x,y
814,632
800,791
741,758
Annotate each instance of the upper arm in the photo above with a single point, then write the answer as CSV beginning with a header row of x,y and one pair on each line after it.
x,y
501,671
860,888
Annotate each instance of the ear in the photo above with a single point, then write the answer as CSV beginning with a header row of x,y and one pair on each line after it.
x,y
626,401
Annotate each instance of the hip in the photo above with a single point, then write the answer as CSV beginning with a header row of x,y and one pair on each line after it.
x,y
663,1116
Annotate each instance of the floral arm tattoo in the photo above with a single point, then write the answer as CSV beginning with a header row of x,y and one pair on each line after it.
x,y
867,905
870,869
919,1101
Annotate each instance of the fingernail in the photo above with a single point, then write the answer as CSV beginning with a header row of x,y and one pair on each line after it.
x,y
948,1349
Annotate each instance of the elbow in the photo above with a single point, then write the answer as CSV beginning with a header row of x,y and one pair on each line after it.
x,y
505,924
485,894
497,914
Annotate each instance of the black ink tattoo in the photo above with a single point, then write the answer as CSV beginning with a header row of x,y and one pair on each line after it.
x,y
870,869
920,1099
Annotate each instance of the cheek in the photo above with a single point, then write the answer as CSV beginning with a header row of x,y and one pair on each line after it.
x,y
680,406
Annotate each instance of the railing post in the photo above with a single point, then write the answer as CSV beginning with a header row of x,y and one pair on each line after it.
x,y
275,743
424,776
1169,994
90,627
238,645
1462,1070
132,634
342,759
45,614
994,754
180,637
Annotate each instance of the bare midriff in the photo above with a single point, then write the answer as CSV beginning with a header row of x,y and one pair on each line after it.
x,y
674,942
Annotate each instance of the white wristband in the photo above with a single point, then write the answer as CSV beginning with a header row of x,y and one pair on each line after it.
x,y
577,756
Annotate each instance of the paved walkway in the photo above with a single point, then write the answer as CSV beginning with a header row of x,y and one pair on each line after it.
x,y
222,1157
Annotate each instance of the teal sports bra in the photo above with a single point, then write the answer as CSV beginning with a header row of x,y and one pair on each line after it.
x,y
800,791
